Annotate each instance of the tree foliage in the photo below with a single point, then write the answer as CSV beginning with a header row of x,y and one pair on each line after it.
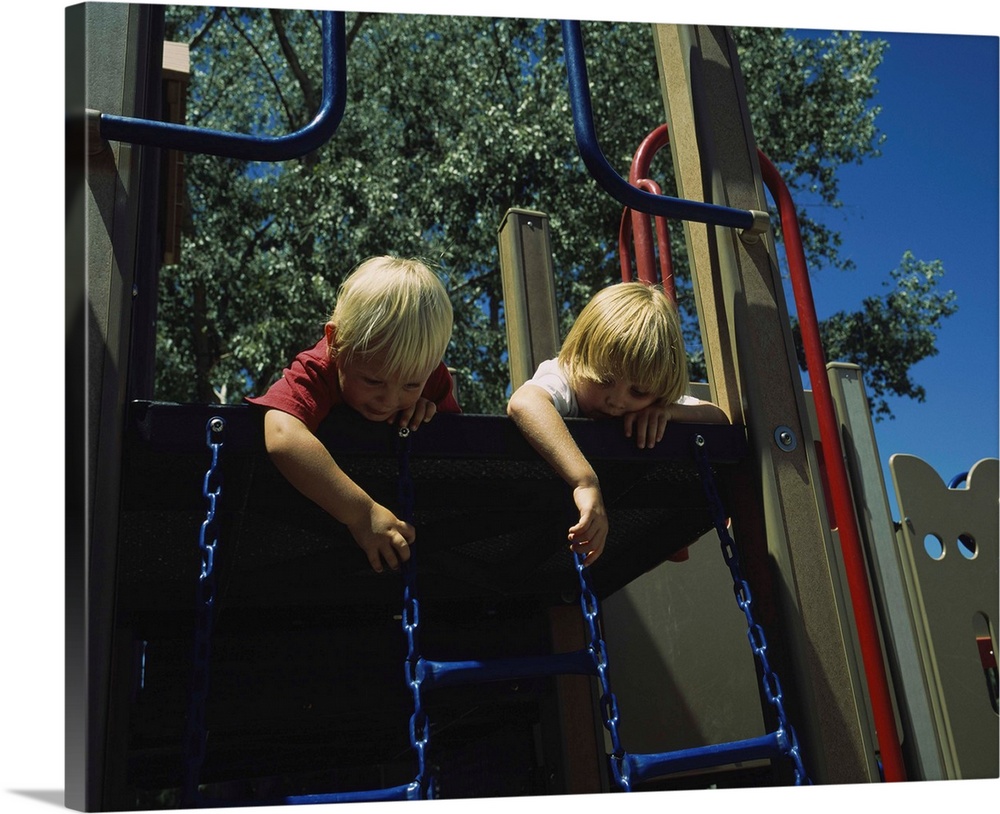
x,y
899,325
450,121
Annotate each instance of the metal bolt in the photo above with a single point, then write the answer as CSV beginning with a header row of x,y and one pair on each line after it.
x,y
404,432
785,438
217,424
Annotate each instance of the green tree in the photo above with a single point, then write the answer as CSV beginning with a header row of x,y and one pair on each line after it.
x,y
899,325
450,121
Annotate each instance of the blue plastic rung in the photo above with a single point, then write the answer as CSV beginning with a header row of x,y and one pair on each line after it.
x,y
650,766
411,791
452,673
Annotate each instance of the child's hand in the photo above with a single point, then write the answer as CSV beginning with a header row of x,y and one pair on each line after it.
x,y
420,413
648,425
383,536
587,537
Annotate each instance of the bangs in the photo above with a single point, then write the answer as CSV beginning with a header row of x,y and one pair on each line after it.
x,y
404,348
632,333
639,359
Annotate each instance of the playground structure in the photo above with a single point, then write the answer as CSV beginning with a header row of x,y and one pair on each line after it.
x,y
884,672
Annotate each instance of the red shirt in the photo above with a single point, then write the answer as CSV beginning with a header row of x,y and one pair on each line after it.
x,y
309,388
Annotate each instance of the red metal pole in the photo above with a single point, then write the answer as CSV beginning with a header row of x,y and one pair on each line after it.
x,y
840,490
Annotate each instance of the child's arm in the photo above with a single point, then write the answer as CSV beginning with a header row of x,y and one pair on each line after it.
x,y
649,424
301,457
532,410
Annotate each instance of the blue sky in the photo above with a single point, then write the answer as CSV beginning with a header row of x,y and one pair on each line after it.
x,y
934,191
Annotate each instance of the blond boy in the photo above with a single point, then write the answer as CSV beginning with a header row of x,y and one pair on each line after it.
x,y
381,355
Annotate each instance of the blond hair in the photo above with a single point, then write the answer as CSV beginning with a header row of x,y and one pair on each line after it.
x,y
396,308
628,332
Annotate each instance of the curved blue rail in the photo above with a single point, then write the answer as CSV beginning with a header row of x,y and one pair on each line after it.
x,y
247,147
605,174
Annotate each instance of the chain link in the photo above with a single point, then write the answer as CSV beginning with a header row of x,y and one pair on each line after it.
x,y
208,539
419,725
599,653
755,633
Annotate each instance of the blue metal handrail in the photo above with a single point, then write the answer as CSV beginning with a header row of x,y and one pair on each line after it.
x,y
239,145
752,221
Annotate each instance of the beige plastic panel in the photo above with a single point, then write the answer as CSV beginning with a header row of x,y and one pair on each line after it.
x,y
682,666
528,292
949,546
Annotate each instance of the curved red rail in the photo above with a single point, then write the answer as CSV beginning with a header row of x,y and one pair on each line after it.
x,y
635,225
836,471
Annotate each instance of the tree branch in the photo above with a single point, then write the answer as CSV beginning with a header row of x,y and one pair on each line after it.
x,y
203,31
308,89
292,121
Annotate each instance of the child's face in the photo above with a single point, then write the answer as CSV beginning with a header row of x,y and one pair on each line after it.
x,y
610,398
376,394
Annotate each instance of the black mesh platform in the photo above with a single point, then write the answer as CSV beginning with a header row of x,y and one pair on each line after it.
x,y
491,516
307,691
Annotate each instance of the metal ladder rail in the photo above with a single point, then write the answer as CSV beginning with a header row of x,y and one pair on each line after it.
x,y
169,135
833,463
422,786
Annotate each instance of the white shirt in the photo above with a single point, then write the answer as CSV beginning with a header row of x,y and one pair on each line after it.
x,y
551,377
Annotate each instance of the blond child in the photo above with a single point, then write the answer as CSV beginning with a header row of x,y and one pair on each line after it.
x,y
623,358
381,356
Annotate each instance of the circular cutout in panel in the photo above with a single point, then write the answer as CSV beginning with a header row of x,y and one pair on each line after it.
x,y
934,546
967,546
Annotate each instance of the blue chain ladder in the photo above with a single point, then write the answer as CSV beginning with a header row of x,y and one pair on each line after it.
x,y
421,787
208,539
420,673
195,731
589,605
787,742
628,768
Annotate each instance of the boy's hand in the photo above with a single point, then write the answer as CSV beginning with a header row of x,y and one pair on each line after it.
x,y
383,536
647,424
420,413
587,537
